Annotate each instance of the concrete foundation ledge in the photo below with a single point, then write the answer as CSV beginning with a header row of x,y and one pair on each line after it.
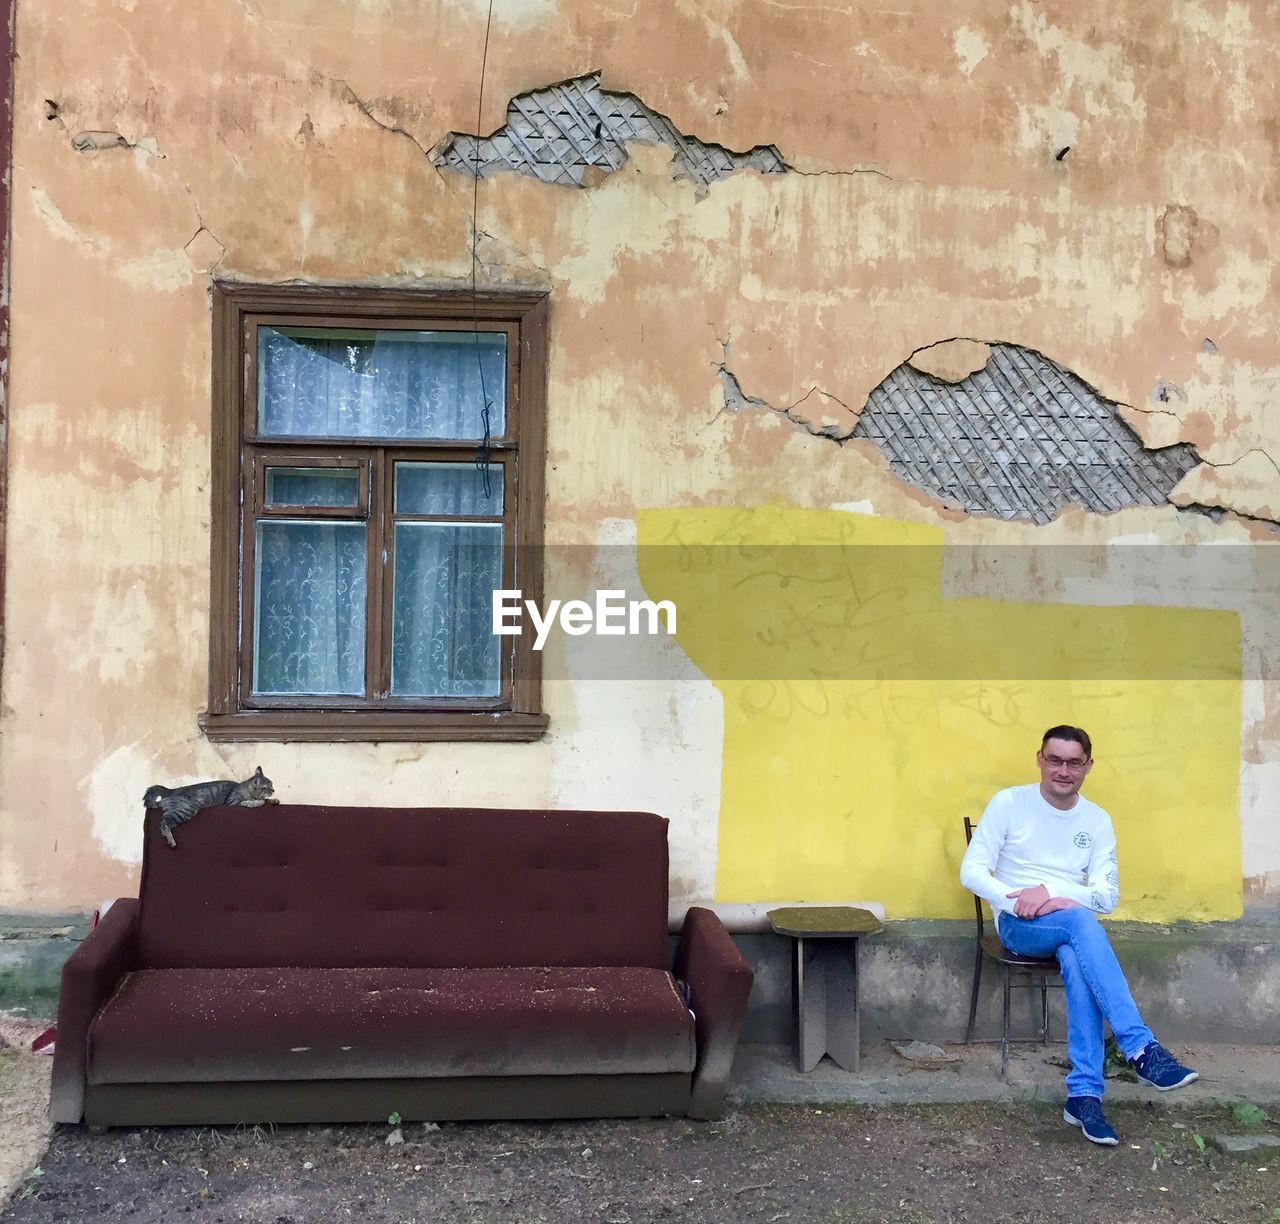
x,y
768,1073
1192,981
32,949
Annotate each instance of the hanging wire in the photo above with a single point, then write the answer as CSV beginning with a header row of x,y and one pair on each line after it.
x,y
482,454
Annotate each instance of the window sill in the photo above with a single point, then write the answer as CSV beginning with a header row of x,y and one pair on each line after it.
x,y
331,727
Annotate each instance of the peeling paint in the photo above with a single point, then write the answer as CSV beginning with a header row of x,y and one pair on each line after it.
x,y
1177,227
1164,391
516,15
676,717
1020,437
1024,440
52,216
1094,69
971,49
560,133
951,360
95,142
165,271
112,793
856,507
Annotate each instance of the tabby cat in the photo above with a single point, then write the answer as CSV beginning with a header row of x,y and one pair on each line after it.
x,y
182,802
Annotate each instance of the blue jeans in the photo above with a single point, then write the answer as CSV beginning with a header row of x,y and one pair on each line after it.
x,y
1093,983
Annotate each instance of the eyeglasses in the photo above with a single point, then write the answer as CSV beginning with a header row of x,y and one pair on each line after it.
x,y
1062,763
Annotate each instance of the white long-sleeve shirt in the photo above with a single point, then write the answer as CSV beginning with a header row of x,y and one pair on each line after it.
x,y
1022,840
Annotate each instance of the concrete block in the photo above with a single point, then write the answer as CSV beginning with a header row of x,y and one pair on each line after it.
x,y
1266,1146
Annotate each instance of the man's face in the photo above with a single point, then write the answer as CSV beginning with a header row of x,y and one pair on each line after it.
x,y
1063,768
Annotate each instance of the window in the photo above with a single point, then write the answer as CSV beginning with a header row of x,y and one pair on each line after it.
x,y
377,472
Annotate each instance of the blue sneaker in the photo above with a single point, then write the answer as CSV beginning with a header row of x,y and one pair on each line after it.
x,y
1086,1113
1157,1067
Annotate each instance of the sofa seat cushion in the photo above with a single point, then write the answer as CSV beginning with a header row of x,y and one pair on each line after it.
x,y
186,1025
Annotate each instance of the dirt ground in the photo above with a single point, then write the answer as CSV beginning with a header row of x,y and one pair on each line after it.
x,y
763,1163
24,1103
977,1159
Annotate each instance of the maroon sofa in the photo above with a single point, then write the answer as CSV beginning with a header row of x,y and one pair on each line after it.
x,y
306,964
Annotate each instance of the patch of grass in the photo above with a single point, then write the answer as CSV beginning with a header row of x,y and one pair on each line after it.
x,y
32,1181
904,1213
1115,1065
259,1132
1247,1114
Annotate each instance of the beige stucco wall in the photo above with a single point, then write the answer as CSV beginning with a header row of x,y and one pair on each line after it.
x,y
283,140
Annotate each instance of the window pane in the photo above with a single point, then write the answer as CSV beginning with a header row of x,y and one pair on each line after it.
x,y
447,488
324,382
309,608
312,486
442,642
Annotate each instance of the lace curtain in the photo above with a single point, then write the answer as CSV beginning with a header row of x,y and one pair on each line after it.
x,y
442,642
387,384
310,593
309,608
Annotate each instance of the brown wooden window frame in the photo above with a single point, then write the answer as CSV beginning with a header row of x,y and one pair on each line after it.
x,y
240,456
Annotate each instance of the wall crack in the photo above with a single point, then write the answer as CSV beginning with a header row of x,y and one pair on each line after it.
x,y
1254,450
843,173
395,129
364,108
1256,487
512,251
222,248
735,400
1220,514
1152,411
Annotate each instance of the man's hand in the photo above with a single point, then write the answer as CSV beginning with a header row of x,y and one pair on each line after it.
x,y
1028,901
1056,903
1032,902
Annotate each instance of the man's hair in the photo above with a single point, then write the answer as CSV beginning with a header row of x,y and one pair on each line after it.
x,y
1076,734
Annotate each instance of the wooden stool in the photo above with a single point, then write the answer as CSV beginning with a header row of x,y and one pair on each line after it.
x,y
825,999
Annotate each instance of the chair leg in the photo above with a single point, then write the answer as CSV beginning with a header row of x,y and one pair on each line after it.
x,y
1044,1011
1004,1043
973,996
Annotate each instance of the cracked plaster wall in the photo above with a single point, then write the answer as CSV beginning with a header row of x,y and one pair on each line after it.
x,y
926,202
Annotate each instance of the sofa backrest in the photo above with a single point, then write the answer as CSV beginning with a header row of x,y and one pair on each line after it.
x,y
404,887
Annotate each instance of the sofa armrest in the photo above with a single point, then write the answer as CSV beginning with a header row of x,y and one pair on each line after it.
x,y
719,981
89,978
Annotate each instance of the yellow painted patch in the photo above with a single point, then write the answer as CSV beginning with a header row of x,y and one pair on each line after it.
x,y
866,714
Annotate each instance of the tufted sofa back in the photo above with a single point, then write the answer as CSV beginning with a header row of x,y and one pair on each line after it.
x,y
404,887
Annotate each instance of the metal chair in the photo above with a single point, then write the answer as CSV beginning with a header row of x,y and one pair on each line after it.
x,y
1035,974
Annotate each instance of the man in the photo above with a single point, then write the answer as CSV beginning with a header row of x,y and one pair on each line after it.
x,y
1044,857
